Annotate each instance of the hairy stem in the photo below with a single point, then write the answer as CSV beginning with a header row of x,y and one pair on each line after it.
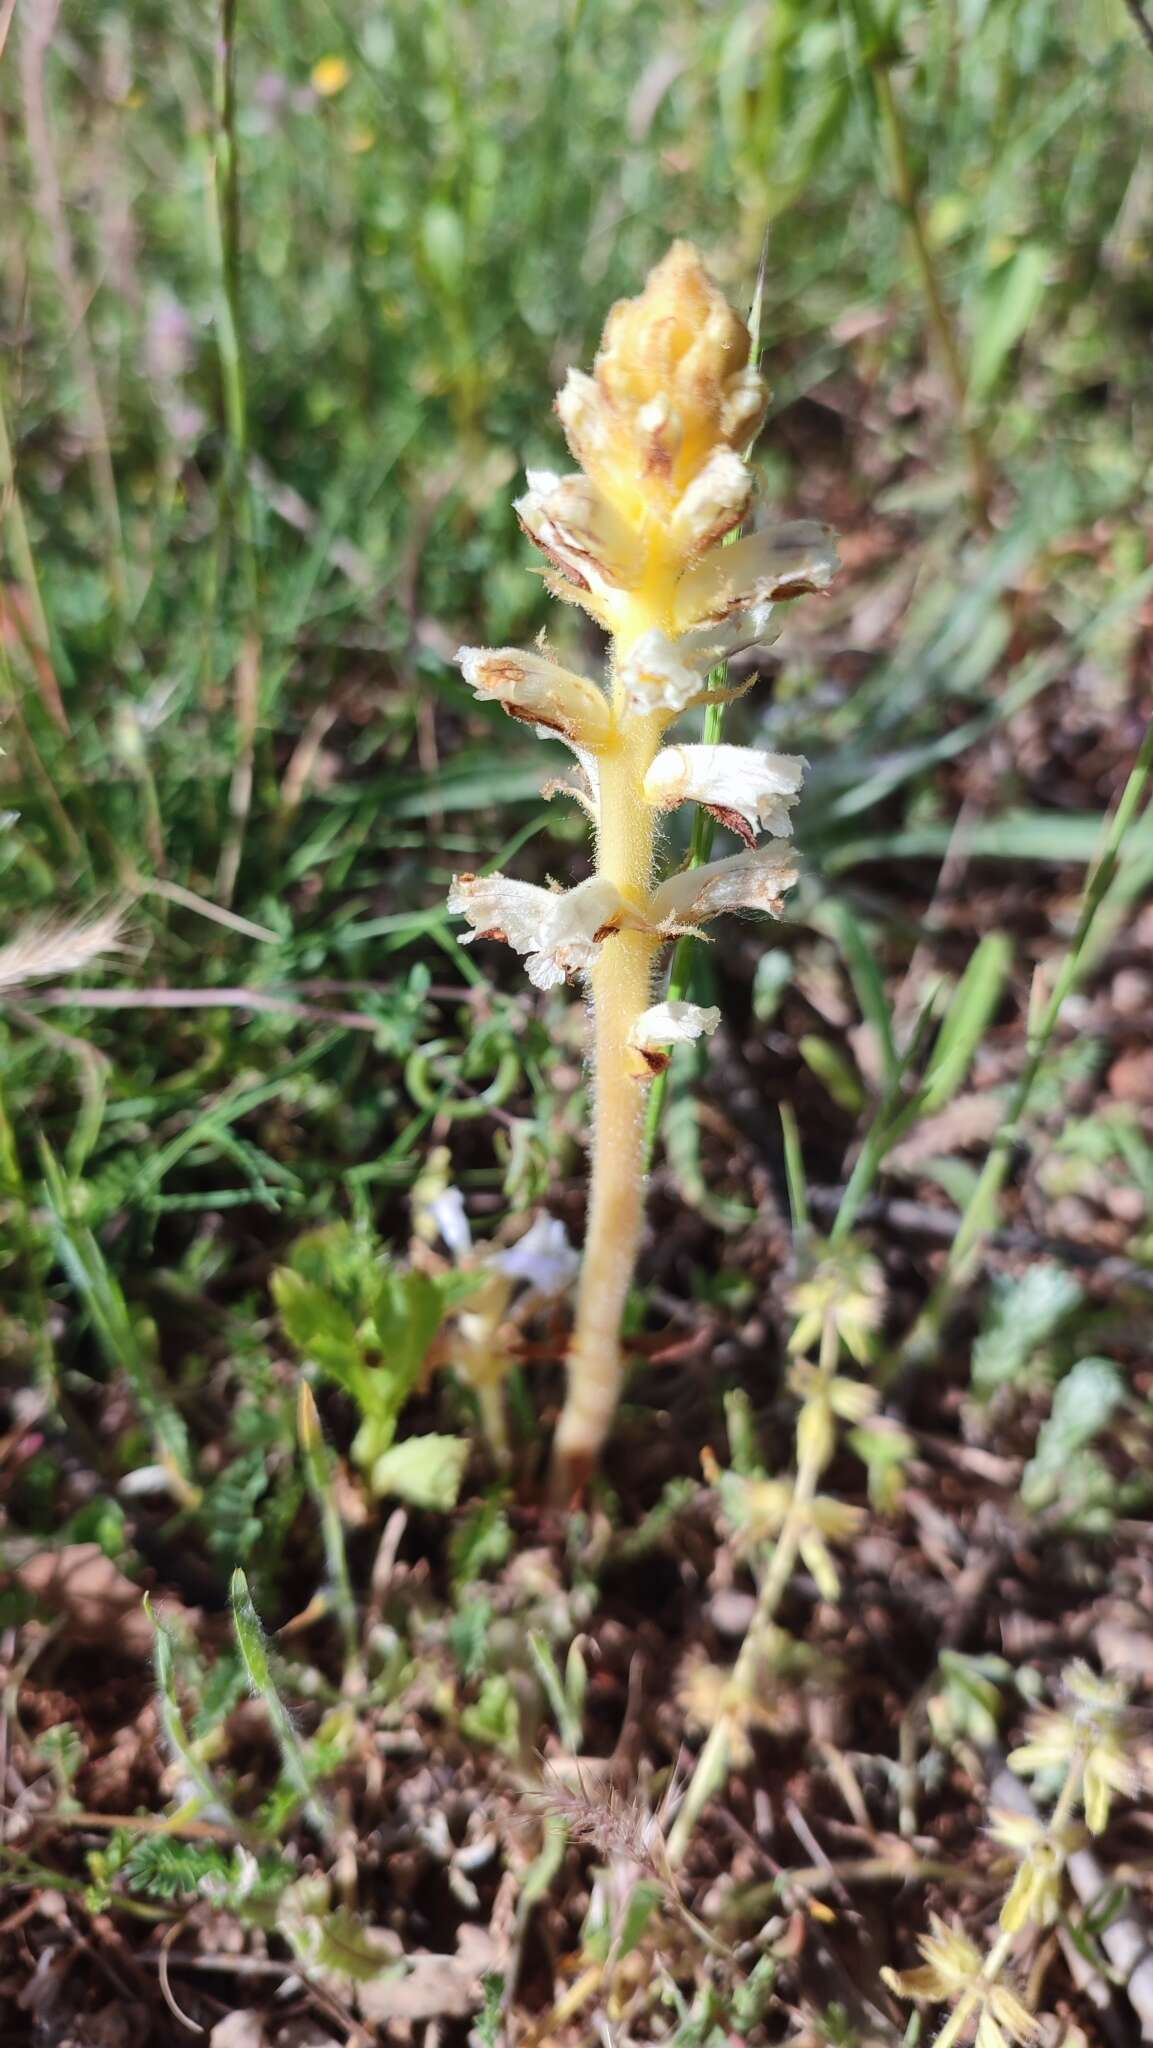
x,y
621,990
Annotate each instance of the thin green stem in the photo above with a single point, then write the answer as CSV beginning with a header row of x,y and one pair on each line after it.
x,y
879,59
979,1216
713,1762
258,1668
224,221
320,1473
36,42
19,545
237,514
680,974
1070,1797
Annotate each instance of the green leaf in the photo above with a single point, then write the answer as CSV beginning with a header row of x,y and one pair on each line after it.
x,y
1005,307
600,1936
481,1543
359,1953
318,1328
744,1449
884,1450
857,950
494,1719
442,239
408,1311
753,1998
546,1865
970,1013
837,1072
1084,1404
468,1634
352,1316
489,2026
772,976
172,1720
258,1666
1023,1315
426,1471
62,1749
565,1697
966,1704
795,1173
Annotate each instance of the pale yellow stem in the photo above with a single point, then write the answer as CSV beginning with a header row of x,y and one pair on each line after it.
x,y
621,989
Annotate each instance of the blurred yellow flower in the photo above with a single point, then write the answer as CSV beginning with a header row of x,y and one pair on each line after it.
x,y
708,1693
329,76
1090,1735
953,1974
848,1285
1034,1897
758,1508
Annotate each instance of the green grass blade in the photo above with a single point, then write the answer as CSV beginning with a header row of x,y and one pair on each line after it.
x,y
253,1649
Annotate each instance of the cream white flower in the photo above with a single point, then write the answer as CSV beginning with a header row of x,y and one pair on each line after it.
x,y
715,502
549,697
665,1024
756,880
781,562
663,674
559,931
748,789
578,529
673,1023
743,407
657,676
707,645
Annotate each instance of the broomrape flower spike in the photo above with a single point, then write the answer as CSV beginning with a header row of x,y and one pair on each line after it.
x,y
634,536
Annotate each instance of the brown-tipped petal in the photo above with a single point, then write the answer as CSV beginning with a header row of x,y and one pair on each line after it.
x,y
578,530
741,785
533,688
558,930
707,645
757,880
716,501
781,562
672,1023
664,1025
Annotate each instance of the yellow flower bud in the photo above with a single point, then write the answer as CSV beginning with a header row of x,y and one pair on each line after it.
x,y
675,370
